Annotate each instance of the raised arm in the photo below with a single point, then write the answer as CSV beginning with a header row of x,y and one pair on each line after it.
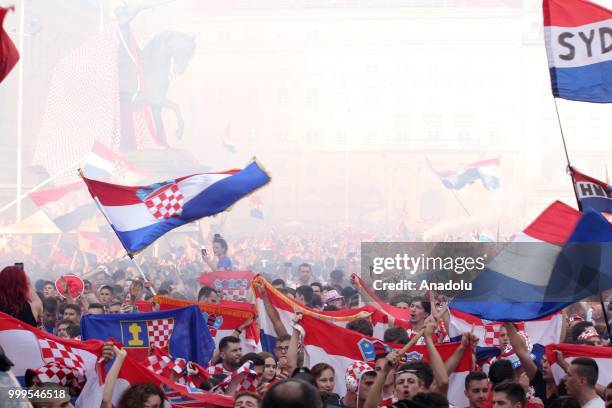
x,y
520,348
111,378
208,261
437,364
278,325
467,340
376,390
292,353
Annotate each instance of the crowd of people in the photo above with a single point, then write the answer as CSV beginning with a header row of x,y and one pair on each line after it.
x,y
320,282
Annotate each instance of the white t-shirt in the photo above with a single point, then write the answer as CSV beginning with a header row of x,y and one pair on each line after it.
x,y
595,403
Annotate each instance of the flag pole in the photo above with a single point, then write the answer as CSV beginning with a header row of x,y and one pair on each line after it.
x,y
130,255
460,202
20,112
571,173
38,186
569,165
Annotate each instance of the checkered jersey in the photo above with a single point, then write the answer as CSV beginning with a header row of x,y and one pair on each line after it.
x,y
249,382
159,332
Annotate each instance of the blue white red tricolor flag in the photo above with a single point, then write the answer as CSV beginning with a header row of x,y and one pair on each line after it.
x,y
594,194
487,171
578,40
562,257
141,214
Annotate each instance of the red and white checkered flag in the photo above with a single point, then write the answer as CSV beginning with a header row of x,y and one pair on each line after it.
x,y
62,365
158,361
492,333
249,383
159,332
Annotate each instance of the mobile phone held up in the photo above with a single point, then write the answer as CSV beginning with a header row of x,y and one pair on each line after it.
x,y
204,252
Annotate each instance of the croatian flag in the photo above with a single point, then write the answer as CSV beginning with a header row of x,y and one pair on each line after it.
x,y
559,259
578,36
103,164
141,214
601,355
287,307
486,171
181,332
339,347
593,193
544,331
54,358
133,372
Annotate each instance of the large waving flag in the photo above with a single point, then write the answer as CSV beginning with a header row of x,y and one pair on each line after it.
x,y
601,355
487,171
221,319
593,193
339,347
551,265
141,214
578,42
181,332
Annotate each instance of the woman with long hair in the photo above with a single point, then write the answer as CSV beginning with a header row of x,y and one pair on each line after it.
x,y
269,373
324,376
18,297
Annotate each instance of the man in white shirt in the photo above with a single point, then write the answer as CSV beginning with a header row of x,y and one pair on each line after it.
x,y
581,379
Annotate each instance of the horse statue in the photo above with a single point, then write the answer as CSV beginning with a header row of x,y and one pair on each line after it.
x,y
145,75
